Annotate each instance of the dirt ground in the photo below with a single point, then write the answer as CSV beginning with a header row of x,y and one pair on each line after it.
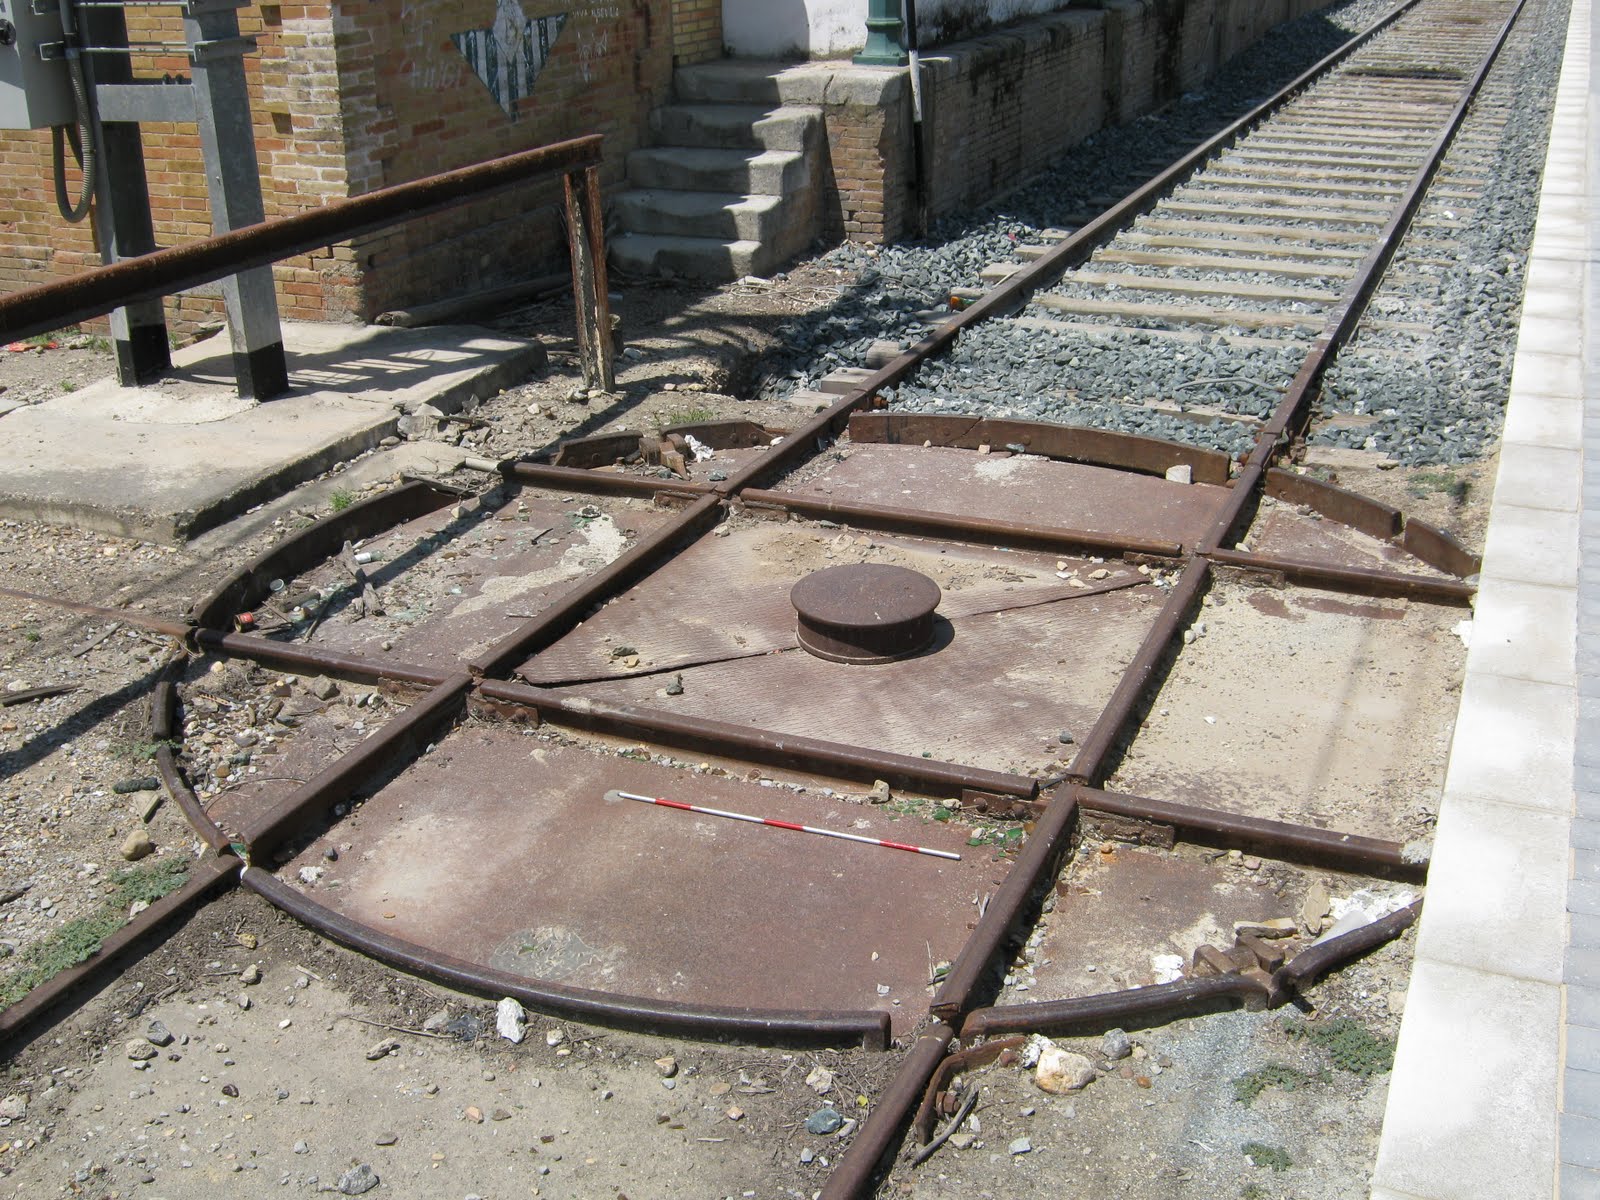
x,y
274,1077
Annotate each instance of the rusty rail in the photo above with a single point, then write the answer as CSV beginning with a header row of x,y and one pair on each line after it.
x,y
205,877
788,1027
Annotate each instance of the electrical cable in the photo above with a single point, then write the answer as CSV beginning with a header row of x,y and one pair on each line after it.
x,y
82,137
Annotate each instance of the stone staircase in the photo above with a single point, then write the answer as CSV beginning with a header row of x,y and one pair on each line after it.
x,y
732,185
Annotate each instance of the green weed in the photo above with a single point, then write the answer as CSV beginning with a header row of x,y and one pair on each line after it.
x,y
80,939
687,416
341,500
1426,483
1274,1075
1267,1156
1350,1045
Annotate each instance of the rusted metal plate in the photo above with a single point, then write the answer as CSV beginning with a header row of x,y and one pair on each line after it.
x,y
1371,517
1097,447
1116,911
666,623
1345,732
501,848
452,586
994,690
1280,529
1023,488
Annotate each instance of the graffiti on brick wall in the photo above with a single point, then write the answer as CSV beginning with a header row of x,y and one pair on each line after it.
x,y
509,55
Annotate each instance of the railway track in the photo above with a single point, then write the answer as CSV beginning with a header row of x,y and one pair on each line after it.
x,y
721,616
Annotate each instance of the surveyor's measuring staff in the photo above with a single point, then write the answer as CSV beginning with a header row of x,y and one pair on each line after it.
x,y
733,816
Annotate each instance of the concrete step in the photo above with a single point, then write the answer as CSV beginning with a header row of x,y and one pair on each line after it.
x,y
744,81
691,257
743,172
705,214
737,126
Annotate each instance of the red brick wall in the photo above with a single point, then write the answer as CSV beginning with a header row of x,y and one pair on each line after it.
x,y
348,97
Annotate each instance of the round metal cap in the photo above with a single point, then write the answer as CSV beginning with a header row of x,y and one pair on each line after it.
x,y
865,613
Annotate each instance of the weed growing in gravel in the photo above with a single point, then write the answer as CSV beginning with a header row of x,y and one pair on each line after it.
x,y
1426,482
30,633
341,500
1274,1075
77,940
1252,1191
1351,1045
143,751
1267,1156
687,416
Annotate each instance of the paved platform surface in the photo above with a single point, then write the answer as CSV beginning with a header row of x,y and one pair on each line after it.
x,y
1496,1087
168,461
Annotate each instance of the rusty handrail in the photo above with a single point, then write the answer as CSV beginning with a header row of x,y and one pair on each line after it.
x,y
152,276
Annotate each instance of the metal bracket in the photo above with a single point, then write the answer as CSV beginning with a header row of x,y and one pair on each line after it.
x,y
221,48
145,101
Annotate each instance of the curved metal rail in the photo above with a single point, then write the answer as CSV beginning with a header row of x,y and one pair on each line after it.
x,y
449,694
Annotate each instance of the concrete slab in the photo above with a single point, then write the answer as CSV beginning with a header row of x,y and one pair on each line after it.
x,y
1533,545
1498,871
1470,1098
1513,741
167,461
1541,420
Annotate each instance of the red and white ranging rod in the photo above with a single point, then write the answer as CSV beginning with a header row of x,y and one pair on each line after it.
x,y
733,816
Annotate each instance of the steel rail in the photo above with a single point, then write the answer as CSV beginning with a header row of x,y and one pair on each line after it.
x,y
1096,1014
1021,535
294,657
869,1028
1082,1014
600,483
151,276
164,731
1363,581
319,541
795,751
1040,856
1090,763
1293,409
205,877
1070,252
1278,839
852,1175
161,625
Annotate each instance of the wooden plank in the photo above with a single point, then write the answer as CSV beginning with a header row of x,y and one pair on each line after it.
x,y
1201,287
1325,216
1243,245
1403,165
1284,195
1294,181
1221,262
1240,318
1306,236
1191,337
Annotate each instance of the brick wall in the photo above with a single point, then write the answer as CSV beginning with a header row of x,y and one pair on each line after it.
x,y
696,31
348,97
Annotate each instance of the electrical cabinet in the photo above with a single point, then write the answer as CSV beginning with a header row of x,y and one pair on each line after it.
x,y
34,91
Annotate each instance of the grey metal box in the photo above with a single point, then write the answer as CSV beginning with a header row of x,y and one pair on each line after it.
x,y
33,92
